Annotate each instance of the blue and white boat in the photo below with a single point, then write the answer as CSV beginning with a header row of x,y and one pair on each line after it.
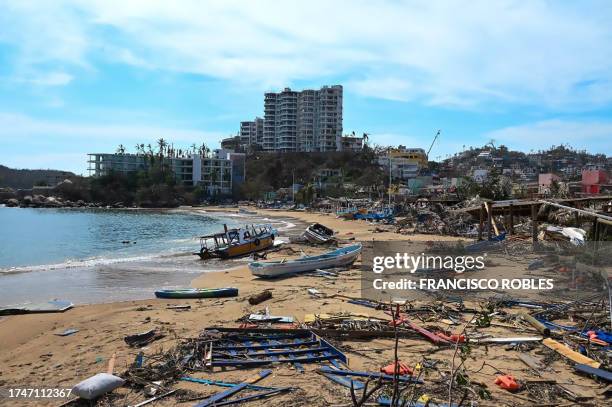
x,y
343,256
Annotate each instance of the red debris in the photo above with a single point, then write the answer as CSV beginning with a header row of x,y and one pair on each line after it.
x,y
507,382
403,369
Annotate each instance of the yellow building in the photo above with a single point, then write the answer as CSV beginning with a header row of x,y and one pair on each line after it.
x,y
410,156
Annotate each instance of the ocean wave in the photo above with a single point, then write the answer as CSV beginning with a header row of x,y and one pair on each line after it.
x,y
91,262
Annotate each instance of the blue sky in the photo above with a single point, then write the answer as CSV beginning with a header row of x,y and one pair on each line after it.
x,y
84,76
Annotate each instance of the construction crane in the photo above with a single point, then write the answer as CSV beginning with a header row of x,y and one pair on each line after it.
x,y
432,143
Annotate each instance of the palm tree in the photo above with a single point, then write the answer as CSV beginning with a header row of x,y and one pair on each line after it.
x,y
121,149
161,145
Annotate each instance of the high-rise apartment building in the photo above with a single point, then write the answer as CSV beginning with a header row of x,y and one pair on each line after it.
x,y
310,120
251,132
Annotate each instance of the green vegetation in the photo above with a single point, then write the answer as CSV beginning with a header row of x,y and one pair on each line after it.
x,y
495,187
267,172
16,178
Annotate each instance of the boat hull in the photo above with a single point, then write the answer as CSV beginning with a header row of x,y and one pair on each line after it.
x,y
318,234
314,237
336,258
198,293
240,250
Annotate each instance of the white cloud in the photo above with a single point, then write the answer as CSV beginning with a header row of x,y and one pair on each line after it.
x,y
593,136
64,145
385,88
49,79
461,54
16,126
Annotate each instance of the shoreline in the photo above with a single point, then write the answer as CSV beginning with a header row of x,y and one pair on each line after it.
x,y
129,268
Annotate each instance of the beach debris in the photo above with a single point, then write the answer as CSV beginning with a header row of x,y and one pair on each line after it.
x,y
330,275
511,339
600,373
369,375
97,385
143,338
67,332
540,327
399,367
533,362
454,338
152,399
179,307
266,317
45,307
535,264
236,347
570,354
261,297
576,236
111,364
221,383
262,391
313,292
343,381
507,382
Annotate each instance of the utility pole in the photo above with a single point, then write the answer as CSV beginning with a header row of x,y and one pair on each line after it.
x,y
389,179
293,187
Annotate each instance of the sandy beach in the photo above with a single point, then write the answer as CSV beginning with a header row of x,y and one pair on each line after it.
x,y
32,356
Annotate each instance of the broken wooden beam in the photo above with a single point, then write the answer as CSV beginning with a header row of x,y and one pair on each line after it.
x,y
541,328
570,354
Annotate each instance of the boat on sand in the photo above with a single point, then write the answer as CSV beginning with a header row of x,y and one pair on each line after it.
x,y
343,256
237,241
318,234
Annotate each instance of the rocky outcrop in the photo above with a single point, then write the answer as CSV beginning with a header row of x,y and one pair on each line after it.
x,y
11,203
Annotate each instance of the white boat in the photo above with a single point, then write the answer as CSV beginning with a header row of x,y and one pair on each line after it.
x,y
318,234
336,258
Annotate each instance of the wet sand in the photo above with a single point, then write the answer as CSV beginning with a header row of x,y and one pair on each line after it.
x,y
30,355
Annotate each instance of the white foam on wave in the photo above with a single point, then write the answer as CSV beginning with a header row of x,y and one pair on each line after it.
x,y
91,262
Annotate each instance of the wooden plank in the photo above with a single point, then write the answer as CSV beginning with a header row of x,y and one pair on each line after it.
x,y
536,324
511,339
212,400
111,364
490,212
427,334
570,354
531,361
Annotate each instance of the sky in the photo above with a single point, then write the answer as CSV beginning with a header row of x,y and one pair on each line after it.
x,y
85,76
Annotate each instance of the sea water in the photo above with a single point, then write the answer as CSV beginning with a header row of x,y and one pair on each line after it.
x,y
103,255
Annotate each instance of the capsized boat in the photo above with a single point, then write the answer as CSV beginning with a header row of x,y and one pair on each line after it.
x,y
237,242
318,234
197,293
336,258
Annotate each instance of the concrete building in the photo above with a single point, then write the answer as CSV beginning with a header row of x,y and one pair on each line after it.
x,y
545,182
251,132
213,173
351,143
595,181
310,120
480,175
406,163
